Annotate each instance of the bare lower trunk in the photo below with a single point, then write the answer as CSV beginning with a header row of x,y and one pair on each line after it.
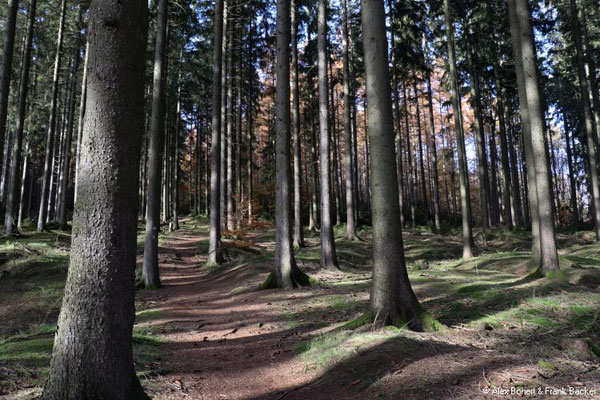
x,y
214,243
584,85
523,43
15,164
150,272
298,230
328,253
285,269
392,298
463,170
48,159
92,356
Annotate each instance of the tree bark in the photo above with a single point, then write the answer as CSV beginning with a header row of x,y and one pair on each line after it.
x,y
392,298
298,229
482,165
150,272
463,170
519,15
214,244
7,61
92,356
286,272
584,87
348,167
48,159
328,253
15,162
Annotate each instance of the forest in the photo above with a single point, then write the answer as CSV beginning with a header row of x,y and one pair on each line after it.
x,y
299,199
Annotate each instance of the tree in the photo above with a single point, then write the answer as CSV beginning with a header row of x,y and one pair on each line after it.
x,y
6,72
591,135
46,186
348,165
15,159
287,274
214,243
463,171
92,356
392,298
298,230
150,273
528,80
328,254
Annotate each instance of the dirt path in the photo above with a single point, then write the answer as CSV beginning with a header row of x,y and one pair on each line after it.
x,y
225,340
218,344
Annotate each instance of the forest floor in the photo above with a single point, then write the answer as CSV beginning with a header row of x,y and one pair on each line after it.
x,y
210,333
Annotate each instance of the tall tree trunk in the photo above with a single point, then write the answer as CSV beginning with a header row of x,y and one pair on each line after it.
x,y
421,161
66,162
48,159
584,87
150,272
506,173
392,298
214,242
15,164
572,184
328,253
92,356
175,199
412,198
348,167
433,146
230,128
7,61
524,45
463,169
298,229
225,60
482,165
286,272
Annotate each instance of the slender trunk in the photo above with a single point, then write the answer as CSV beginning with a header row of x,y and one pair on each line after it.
x,y
7,64
432,145
286,272
46,187
348,167
150,272
328,253
15,164
482,166
214,243
298,230
524,45
463,170
584,87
